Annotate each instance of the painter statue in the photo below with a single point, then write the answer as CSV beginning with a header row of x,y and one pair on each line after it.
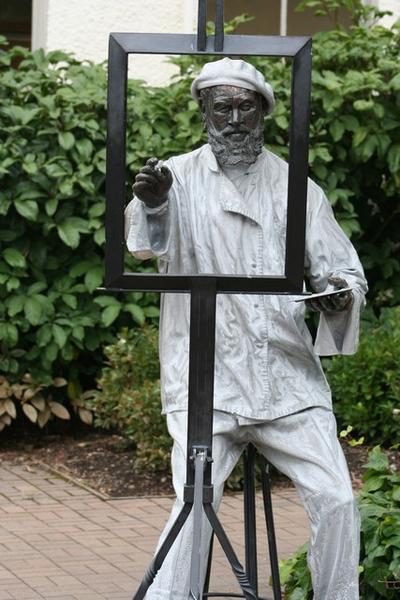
x,y
221,209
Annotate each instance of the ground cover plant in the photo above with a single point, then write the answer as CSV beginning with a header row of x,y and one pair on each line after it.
x,y
379,504
128,397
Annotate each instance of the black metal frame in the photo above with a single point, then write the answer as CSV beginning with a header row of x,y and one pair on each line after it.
x,y
297,48
198,493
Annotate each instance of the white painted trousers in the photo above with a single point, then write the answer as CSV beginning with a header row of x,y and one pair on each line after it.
x,y
303,446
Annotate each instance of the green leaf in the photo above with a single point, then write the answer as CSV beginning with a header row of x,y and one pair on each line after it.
x,y
94,278
393,158
363,104
66,140
107,301
44,335
51,206
36,288
359,136
9,333
282,122
100,236
378,461
14,258
69,233
70,300
59,334
137,313
13,284
109,314
85,148
78,333
80,268
395,82
33,310
27,208
15,305
51,352
97,210
19,114
337,130
151,311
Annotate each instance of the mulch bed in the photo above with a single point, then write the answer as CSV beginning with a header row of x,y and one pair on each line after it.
x,y
106,462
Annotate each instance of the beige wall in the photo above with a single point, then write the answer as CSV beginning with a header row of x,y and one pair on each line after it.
x,y
391,5
83,26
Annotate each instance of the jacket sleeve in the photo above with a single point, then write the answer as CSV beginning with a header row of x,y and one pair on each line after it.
x,y
329,253
147,231
152,232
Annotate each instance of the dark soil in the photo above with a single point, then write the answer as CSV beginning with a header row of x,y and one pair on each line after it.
x,y
106,462
102,461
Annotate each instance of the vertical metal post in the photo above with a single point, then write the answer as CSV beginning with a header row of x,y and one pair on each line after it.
x,y
219,26
116,168
202,25
201,370
296,213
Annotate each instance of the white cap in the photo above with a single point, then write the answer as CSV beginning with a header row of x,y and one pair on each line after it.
x,y
233,72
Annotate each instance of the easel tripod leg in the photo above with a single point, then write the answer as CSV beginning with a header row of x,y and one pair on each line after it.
x,y
239,572
162,553
273,554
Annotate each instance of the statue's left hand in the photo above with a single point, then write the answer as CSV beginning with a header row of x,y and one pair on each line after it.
x,y
334,303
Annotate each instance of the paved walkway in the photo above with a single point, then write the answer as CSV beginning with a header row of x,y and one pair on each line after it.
x,y
60,541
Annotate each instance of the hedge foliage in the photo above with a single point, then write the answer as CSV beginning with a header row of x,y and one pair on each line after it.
x,y
366,386
379,504
53,322
52,171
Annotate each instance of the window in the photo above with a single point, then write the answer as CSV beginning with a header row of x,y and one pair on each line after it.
x,y
267,17
16,21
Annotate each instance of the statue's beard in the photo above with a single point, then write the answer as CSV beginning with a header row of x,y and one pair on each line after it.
x,y
242,147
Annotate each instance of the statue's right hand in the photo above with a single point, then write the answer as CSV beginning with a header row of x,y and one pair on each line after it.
x,y
152,184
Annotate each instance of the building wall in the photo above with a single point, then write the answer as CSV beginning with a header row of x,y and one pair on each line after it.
x,y
394,7
83,26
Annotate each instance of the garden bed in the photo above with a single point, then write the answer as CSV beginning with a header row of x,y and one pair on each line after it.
x,y
106,463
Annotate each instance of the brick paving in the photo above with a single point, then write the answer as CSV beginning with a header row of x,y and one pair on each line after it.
x,y
59,541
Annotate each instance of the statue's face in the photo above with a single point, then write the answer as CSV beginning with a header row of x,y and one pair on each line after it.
x,y
234,120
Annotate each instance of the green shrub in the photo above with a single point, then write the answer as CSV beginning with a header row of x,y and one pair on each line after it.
x,y
379,503
128,399
366,386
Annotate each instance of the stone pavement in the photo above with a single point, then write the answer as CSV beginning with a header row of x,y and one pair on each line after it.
x,y
59,541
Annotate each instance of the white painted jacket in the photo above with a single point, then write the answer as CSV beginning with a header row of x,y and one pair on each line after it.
x,y
266,366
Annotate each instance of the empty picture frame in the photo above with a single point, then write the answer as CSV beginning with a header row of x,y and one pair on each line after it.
x,y
294,47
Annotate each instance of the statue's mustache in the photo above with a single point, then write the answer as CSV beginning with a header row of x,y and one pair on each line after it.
x,y
232,130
